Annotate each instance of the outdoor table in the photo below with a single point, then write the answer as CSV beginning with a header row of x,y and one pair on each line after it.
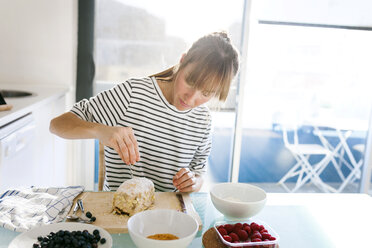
x,y
342,129
300,219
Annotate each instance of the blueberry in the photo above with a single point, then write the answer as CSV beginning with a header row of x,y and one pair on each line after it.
x,y
36,246
102,241
96,231
40,238
88,214
93,219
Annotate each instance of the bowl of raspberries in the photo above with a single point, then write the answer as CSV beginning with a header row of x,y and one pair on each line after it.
x,y
248,233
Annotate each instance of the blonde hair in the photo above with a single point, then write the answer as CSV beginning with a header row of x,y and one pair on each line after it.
x,y
214,63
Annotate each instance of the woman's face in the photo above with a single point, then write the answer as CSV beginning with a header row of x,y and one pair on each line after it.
x,y
186,97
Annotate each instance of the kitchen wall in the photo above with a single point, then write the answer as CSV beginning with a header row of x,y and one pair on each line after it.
x,y
38,46
38,41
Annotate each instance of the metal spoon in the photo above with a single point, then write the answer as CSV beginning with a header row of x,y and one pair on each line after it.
x,y
74,216
80,203
82,217
131,172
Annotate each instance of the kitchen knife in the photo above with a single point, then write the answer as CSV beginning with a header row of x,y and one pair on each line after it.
x,y
2,101
180,199
3,105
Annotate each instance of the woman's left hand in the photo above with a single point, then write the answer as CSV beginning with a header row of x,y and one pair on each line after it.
x,y
185,180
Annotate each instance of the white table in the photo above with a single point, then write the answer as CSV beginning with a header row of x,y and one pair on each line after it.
x,y
301,220
320,220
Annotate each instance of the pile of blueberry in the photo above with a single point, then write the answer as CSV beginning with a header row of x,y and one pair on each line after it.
x,y
67,239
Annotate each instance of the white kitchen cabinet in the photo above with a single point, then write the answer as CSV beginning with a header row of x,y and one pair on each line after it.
x,y
17,152
38,158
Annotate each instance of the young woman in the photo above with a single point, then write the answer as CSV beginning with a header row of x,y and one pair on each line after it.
x,y
158,126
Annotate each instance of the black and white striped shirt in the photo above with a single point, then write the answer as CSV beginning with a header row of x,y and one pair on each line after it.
x,y
168,139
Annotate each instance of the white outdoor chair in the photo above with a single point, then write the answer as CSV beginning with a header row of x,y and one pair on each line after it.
x,y
355,172
304,170
339,152
359,147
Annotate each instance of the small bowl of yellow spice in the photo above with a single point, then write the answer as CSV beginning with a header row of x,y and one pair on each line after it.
x,y
162,228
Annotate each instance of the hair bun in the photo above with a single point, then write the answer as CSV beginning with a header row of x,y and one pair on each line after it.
x,y
223,35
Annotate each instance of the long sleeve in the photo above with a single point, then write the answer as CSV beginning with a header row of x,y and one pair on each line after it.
x,y
107,107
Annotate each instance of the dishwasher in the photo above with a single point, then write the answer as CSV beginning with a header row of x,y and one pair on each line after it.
x,y
17,153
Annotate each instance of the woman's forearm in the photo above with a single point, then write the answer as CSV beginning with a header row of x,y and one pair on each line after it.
x,y
69,126
122,139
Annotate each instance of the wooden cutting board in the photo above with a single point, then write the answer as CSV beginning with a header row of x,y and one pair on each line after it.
x,y
100,205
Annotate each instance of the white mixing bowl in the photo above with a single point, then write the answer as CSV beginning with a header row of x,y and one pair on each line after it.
x,y
160,221
238,200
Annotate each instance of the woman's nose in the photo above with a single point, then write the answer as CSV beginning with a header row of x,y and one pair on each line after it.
x,y
190,97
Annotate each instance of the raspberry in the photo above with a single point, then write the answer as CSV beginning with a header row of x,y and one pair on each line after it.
x,y
238,226
222,231
272,238
243,235
245,224
227,238
263,230
228,228
254,226
247,229
234,236
261,227
256,240
265,235
256,234
236,230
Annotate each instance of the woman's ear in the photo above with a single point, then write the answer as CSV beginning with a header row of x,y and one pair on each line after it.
x,y
182,57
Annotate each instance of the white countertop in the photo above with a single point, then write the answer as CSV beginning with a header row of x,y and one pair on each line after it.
x,y
24,105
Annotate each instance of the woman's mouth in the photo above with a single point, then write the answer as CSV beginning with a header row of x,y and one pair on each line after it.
x,y
183,104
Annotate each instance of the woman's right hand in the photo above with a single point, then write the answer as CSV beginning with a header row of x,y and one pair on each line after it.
x,y
121,139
